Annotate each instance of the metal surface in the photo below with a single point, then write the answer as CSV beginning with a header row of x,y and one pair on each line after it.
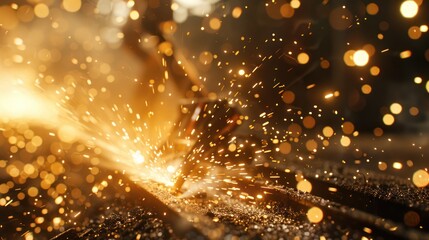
x,y
352,210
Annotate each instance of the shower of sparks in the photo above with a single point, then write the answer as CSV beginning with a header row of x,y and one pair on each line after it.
x,y
74,95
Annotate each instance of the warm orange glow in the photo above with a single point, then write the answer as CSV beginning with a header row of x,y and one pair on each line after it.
x,y
304,186
409,9
366,89
72,5
328,131
421,178
303,58
18,102
360,58
315,215
345,141
289,97
41,10
215,23
372,8
396,108
388,119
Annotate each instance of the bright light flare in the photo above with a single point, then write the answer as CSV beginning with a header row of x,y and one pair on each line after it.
x,y
138,157
360,58
388,119
19,103
421,178
397,165
303,58
396,108
72,5
304,186
315,215
171,169
67,133
409,9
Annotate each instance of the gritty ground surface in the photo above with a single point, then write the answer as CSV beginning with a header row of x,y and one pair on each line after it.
x,y
224,217
150,211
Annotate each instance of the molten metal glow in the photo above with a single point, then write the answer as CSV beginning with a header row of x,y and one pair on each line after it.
x,y
19,102
138,157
